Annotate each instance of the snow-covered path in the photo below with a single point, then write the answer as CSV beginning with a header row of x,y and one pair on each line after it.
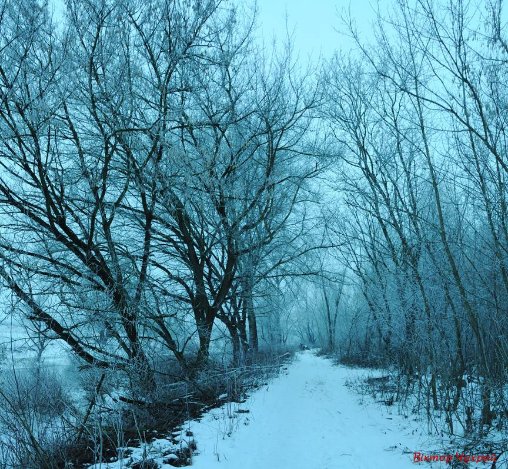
x,y
307,419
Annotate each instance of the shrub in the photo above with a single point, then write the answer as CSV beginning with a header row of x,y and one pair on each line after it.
x,y
35,420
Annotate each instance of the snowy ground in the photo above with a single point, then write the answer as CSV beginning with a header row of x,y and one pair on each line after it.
x,y
308,418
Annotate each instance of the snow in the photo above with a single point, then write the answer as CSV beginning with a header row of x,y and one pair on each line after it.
x,y
310,417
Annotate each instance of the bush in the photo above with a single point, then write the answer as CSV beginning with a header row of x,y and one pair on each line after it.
x,y
35,420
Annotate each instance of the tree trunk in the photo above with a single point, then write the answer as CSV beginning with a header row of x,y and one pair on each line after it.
x,y
237,350
248,305
142,376
253,332
234,335
244,341
205,327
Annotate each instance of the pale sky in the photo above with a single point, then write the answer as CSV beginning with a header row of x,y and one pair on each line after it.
x,y
313,24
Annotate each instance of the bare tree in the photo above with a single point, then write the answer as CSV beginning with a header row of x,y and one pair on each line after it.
x,y
419,125
151,166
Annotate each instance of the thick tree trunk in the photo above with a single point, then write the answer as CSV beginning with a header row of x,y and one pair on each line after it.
x,y
141,375
234,335
237,347
253,332
205,333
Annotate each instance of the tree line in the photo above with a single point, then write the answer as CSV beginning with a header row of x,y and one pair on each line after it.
x,y
421,118
155,163
163,175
